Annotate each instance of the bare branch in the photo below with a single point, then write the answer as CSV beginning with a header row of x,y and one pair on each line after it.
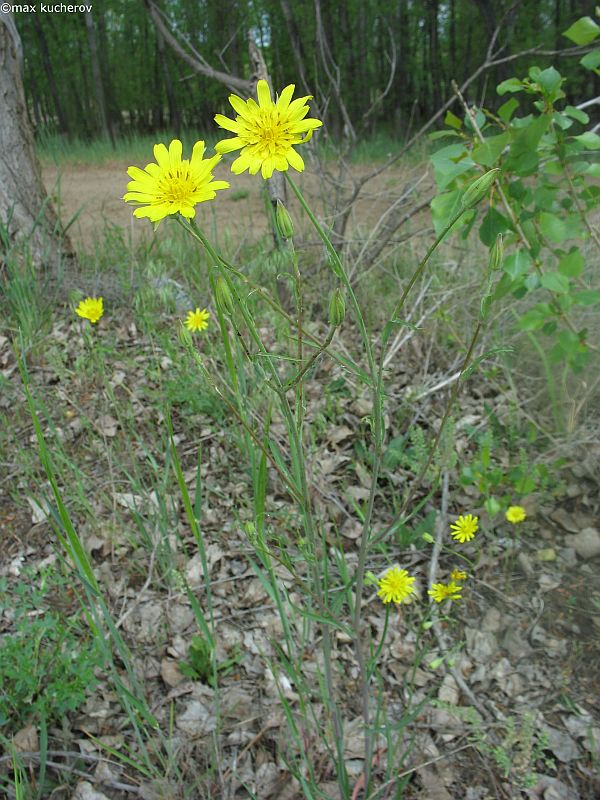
x,y
198,64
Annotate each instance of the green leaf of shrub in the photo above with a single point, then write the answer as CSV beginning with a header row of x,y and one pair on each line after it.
x,y
549,79
557,229
572,264
555,282
577,113
591,60
587,297
583,31
510,85
517,264
487,153
535,318
590,140
452,120
507,109
493,224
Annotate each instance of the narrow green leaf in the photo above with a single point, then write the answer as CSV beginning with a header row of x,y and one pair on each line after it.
x,y
473,366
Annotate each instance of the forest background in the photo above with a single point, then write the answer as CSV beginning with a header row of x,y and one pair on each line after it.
x,y
113,72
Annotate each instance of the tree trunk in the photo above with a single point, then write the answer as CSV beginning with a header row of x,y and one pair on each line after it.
x,y
63,122
24,207
97,75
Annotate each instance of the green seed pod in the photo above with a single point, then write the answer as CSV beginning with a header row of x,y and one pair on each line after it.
x,y
284,223
337,308
497,253
223,296
477,190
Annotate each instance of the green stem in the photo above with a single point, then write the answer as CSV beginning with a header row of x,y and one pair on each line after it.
x,y
377,653
434,447
300,473
293,381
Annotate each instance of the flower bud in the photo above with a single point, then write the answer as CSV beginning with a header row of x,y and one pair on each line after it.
x,y
337,308
370,579
284,223
185,337
486,304
223,296
427,537
478,189
496,253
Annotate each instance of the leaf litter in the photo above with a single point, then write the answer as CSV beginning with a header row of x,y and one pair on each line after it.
x,y
530,630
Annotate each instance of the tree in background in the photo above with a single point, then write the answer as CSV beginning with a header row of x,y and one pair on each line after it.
x,y
391,60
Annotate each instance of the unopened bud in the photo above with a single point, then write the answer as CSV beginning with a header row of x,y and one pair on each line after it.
x,y
428,537
284,223
185,337
370,579
477,190
497,253
486,304
337,308
223,296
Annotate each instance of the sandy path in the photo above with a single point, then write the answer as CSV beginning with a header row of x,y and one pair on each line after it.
x,y
96,191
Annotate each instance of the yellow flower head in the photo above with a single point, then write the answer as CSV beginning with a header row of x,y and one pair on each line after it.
x,y
515,514
465,528
91,308
395,586
173,185
458,575
442,591
197,320
266,132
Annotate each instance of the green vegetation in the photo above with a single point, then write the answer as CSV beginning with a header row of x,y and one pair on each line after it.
x,y
49,659
256,526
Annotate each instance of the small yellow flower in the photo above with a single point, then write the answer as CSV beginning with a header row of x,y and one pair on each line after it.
x,y
458,575
197,320
395,586
91,308
465,528
267,132
515,514
173,185
442,591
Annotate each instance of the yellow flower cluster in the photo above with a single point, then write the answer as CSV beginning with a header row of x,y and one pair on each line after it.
x,y
265,133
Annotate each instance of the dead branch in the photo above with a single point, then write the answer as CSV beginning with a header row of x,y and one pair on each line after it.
x,y
197,62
